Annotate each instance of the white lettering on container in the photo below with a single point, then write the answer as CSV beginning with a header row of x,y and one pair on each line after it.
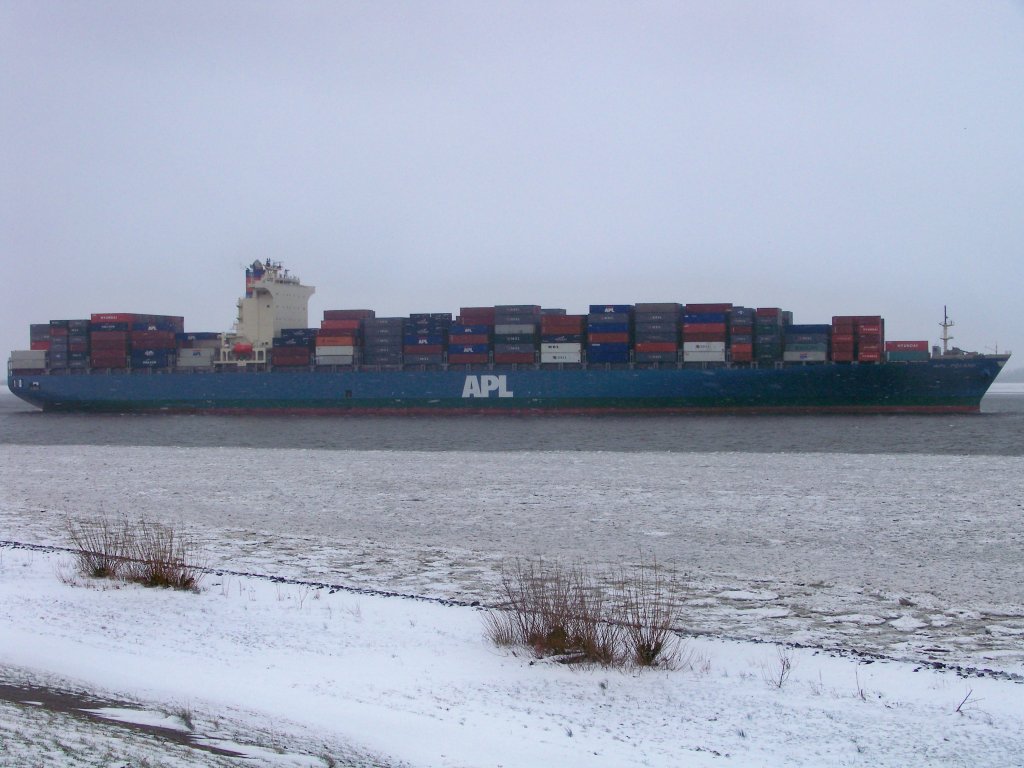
x,y
483,386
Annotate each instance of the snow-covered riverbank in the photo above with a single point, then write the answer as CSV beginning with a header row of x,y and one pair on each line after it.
x,y
297,676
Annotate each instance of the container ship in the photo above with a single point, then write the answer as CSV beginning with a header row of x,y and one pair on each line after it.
x,y
619,358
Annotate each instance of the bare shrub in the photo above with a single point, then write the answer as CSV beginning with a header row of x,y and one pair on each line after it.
x,y
776,672
647,615
161,556
563,611
101,547
556,611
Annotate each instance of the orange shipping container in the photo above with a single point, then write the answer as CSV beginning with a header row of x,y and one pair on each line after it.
x,y
656,346
336,341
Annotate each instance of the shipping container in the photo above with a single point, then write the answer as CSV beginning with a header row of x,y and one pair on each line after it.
x,y
349,314
906,346
908,356
515,357
334,359
468,358
561,357
703,346
721,308
805,356
515,328
704,357
656,346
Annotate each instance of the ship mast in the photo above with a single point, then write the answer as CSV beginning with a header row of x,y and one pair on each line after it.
x,y
946,325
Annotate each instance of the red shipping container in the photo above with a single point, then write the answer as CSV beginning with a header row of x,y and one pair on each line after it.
x,y
108,360
742,353
346,340
863,328
869,338
468,338
609,338
696,309
121,336
767,312
868,319
341,325
39,346
906,346
153,340
868,357
423,349
113,317
842,338
467,358
481,315
842,355
703,328
289,356
696,336
348,314
656,346
58,332
514,357
562,323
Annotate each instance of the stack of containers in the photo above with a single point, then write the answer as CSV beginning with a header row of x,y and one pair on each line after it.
x,y
109,335
58,357
769,323
741,334
806,343
425,337
152,340
294,347
469,339
705,332
858,337
516,333
656,332
561,338
870,333
39,337
843,339
196,351
906,351
609,330
78,344
339,338
383,340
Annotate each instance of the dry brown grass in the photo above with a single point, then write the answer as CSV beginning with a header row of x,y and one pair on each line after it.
x,y
563,611
145,553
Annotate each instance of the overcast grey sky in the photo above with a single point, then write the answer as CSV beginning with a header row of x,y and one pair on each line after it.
x,y
826,157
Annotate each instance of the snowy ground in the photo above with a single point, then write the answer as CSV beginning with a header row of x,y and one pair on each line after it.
x,y
290,675
913,559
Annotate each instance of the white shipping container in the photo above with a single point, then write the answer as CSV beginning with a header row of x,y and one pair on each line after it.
x,y
561,357
805,357
334,359
195,354
703,357
28,358
338,350
195,358
565,348
507,328
703,346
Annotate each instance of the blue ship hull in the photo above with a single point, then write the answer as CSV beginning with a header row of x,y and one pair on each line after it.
x,y
941,385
